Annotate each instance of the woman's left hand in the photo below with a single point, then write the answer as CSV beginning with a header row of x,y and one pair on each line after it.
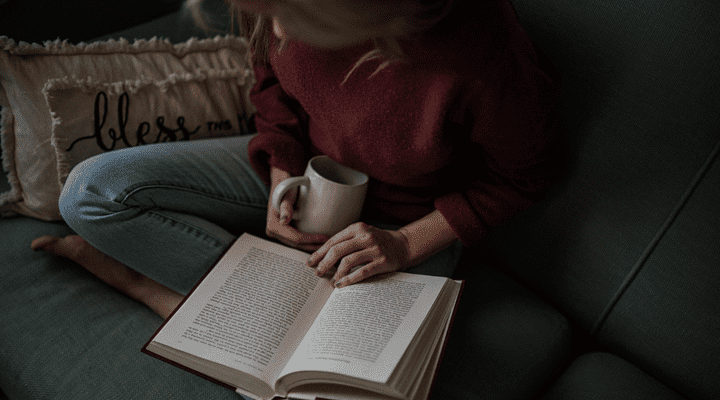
x,y
379,250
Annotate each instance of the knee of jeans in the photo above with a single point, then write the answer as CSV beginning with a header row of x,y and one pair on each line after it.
x,y
83,196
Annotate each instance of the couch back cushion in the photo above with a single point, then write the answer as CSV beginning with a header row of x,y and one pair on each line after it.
x,y
666,317
76,20
641,91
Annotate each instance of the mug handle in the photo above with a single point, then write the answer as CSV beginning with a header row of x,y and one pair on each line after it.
x,y
282,188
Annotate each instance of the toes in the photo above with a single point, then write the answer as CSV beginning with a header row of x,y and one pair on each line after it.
x,y
69,247
44,242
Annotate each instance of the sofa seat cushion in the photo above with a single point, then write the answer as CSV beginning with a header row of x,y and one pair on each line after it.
x,y
600,376
505,343
67,335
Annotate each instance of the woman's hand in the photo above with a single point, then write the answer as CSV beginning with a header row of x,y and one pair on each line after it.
x,y
278,221
379,250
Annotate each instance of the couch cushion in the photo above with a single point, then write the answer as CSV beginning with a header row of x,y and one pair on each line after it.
x,y
179,26
667,316
641,90
640,111
67,335
601,376
505,343
76,20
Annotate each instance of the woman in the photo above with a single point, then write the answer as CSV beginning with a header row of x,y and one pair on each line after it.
x,y
445,104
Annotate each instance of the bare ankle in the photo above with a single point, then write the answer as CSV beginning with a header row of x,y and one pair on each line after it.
x,y
159,298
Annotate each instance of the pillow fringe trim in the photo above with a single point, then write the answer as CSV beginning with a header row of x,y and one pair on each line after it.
x,y
7,141
243,76
62,157
122,45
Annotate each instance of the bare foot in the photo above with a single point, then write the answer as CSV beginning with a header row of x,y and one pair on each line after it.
x,y
158,297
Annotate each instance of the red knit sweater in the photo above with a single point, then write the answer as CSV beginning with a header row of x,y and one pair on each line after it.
x,y
462,126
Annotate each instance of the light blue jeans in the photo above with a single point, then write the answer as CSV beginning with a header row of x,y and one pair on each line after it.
x,y
169,210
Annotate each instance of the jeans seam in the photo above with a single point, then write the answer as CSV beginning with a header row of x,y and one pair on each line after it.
x,y
128,192
215,241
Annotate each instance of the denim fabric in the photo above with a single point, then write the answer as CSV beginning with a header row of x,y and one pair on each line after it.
x,y
170,210
167,210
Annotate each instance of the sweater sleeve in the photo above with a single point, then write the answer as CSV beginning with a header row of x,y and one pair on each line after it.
x,y
281,124
514,141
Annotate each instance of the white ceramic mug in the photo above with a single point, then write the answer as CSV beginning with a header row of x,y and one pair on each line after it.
x,y
330,199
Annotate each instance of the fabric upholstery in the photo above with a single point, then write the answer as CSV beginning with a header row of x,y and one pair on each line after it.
x,y
639,111
602,376
627,244
505,343
178,26
76,20
67,335
667,320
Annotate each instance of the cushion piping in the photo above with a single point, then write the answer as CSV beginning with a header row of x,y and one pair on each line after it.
x,y
656,240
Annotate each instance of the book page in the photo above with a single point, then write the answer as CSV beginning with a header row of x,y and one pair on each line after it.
x,y
251,311
365,328
408,378
419,392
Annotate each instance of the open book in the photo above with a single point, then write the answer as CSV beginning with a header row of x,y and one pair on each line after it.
x,y
261,323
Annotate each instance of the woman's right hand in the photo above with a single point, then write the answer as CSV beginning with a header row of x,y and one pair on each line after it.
x,y
278,221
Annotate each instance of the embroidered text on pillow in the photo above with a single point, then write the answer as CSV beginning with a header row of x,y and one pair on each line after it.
x,y
164,133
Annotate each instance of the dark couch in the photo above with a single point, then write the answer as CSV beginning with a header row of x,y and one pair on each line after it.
x,y
608,289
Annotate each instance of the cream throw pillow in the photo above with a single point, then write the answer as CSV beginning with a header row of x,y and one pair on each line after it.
x,y
63,103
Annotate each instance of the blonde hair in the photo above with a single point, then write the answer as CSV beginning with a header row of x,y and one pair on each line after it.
x,y
335,24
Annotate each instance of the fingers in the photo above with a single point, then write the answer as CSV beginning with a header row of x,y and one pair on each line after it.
x,y
322,260
279,228
43,241
362,273
286,212
286,207
290,236
360,251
